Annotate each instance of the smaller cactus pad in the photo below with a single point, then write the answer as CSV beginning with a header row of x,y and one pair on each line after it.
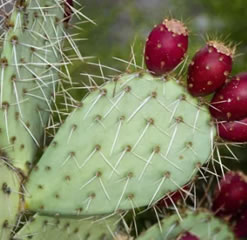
x,y
29,72
9,200
41,227
200,223
131,142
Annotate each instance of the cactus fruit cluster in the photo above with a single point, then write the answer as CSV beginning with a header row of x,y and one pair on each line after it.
x,y
138,145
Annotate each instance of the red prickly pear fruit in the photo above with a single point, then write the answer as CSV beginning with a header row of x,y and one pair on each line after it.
x,y
174,197
230,102
240,225
187,236
235,131
232,195
68,4
166,46
209,68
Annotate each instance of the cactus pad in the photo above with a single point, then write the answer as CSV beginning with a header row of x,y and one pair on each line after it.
x,y
131,142
9,200
29,72
41,227
201,223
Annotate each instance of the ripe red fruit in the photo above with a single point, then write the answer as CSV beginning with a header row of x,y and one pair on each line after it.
x,y
209,68
232,195
235,131
187,236
240,225
68,4
166,46
230,102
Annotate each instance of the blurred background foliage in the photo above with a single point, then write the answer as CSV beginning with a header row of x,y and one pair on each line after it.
x,y
122,24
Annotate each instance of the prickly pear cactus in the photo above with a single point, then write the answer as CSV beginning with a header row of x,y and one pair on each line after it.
x,y
132,141
200,223
30,67
42,227
129,143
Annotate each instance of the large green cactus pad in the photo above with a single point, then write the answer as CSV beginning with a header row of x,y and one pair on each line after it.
x,y
30,62
9,199
40,228
200,223
131,142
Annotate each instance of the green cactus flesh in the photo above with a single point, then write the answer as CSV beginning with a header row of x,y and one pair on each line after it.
x,y
131,142
200,223
41,227
9,199
30,63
